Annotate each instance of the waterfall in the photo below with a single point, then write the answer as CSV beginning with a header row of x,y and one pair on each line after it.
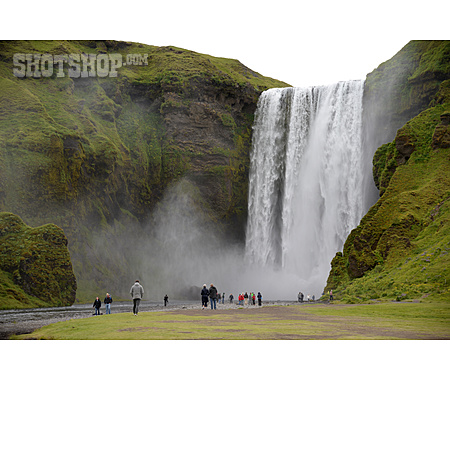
x,y
306,183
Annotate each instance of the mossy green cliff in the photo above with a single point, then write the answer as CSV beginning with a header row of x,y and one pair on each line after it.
x,y
35,266
95,155
402,87
401,248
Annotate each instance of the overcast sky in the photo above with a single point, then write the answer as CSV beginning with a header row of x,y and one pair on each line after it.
x,y
314,43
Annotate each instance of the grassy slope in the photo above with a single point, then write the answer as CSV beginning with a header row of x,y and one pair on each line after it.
x,y
381,321
176,65
402,245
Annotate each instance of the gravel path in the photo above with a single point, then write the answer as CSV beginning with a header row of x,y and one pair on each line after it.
x,y
28,326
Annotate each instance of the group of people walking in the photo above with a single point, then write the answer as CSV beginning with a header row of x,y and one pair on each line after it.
x,y
98,304
136,292
249,299
210,295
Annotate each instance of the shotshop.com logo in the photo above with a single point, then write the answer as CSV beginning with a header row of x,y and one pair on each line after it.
x,y
77,65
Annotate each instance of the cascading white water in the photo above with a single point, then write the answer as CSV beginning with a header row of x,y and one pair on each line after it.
x,y
306,182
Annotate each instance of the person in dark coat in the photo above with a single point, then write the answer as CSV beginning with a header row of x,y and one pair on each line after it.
x,y
108,301
213,296
166,300
97,305
259,298
205,295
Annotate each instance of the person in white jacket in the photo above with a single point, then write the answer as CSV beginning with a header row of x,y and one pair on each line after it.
x,y
136,292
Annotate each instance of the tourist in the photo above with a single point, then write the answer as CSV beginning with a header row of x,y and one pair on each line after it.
x,y
331,295
253,298
97,305
223,298
259,299
241,299
166,300
230,298
204,294
136,292
219,297
245,299
108,301
213,296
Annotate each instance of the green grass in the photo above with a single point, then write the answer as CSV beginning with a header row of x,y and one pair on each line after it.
x,y
401,248
13,296
369,321
35,267
176,66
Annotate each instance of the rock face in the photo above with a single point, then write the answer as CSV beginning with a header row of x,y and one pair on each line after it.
x,y
96,155
401,247
394,93
441,136
35,266
402,87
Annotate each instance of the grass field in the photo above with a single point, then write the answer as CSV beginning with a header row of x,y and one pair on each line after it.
x,y
393,320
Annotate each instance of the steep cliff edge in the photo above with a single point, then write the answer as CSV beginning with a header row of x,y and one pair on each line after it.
x,y
402,87
397,91
95,155
400,250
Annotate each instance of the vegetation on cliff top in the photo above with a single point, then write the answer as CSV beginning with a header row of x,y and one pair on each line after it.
x,y
164,65
408,81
